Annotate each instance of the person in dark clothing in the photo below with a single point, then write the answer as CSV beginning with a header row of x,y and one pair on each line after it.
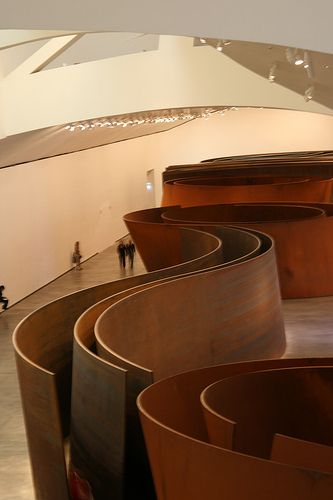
x,y
121,249
3,299
130,251
77,256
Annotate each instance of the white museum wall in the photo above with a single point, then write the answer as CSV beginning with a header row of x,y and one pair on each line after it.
x,y
49,204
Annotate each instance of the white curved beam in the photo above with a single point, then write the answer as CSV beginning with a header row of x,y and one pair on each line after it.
x,y
12,38
177,75
300,23
42,57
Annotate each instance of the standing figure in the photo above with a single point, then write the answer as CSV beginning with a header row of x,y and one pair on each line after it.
x,y
3,299
121,249
130,250
77,256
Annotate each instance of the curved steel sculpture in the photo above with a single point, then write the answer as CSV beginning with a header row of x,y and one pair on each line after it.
x,y
302,236
234,314
211,296
313,164
45,355
44,363
128,327
214,190
257,406
190,462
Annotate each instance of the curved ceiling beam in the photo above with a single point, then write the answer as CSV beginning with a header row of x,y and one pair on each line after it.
x,y
42,57
12,38
175,76
297,24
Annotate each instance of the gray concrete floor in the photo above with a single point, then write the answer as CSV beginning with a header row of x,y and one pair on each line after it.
x,y
309,331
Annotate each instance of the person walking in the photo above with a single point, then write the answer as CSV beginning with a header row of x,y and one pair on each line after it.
x,y
77,256
3,299
130,250
121,249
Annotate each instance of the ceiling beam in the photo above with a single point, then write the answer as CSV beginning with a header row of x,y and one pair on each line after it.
x,y
42,57
12,38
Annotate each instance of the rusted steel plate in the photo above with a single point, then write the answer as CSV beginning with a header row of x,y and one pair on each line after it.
x,y
292,402
233,313
44,356
214,190
154,241
250,269
98,421
302,237
297,164
179,246
44,430
300,453
187,467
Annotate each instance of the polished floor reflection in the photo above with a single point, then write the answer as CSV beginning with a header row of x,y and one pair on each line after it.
x,y
308,327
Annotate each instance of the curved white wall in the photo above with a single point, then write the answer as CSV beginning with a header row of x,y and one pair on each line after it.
x,y
49,204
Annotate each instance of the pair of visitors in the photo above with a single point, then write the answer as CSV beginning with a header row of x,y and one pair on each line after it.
x,y
3,299
126,250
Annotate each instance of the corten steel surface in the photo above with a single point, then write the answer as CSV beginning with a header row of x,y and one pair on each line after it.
x,y
221,430
239,245
179,246
295,403
307,155
232,313
186,466
44,354
99,450
303,239
97,440
241,180
241,213
44,431
303,164
44,357
298,156
42,366
215,190
302,453
153,240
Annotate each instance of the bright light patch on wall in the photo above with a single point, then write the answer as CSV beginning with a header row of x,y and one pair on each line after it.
x,y
149,186
132,121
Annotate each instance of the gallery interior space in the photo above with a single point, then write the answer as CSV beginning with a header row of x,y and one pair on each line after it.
x,y
204,133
